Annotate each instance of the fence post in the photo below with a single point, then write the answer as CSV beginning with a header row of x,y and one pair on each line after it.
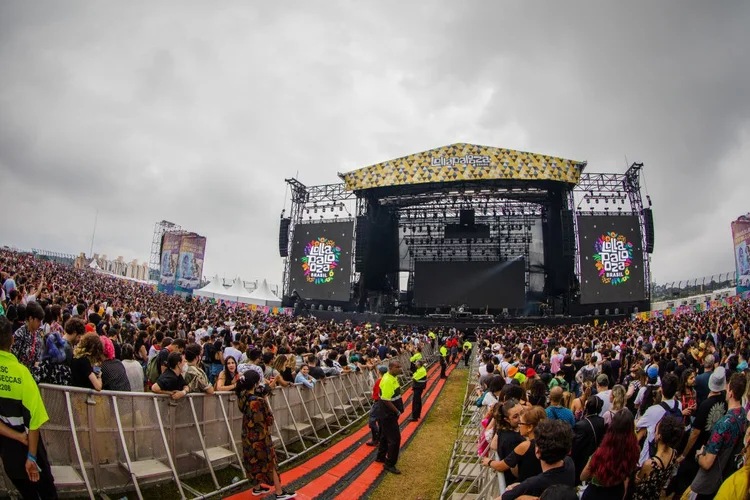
x,y
77,446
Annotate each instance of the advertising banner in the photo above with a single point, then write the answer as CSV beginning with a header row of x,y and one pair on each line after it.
x,y
741,238
611,259
170,254
190,266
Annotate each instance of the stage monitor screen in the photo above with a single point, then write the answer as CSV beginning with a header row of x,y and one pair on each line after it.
x,y
321,265
476,285
611,259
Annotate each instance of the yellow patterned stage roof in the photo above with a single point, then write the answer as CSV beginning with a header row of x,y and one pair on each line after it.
x,y
464,162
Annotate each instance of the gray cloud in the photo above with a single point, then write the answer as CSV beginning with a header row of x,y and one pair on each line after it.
x,y
196,113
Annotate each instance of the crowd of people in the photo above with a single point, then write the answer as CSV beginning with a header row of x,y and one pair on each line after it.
x,y
627,410
630,410
75,327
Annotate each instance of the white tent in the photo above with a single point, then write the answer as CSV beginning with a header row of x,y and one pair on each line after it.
x,y
210,291
263,296
93,265
237,293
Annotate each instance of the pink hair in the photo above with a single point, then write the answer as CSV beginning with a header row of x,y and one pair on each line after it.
x,y
109,348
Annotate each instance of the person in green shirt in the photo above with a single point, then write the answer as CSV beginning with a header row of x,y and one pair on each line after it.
x,y
419,382
22,413
390,407
443,360
467,352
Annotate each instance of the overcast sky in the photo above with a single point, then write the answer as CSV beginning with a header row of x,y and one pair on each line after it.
x,y
195,112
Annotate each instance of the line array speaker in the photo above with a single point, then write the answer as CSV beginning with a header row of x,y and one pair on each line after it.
x,y
568,234
648,220
361,242
284,236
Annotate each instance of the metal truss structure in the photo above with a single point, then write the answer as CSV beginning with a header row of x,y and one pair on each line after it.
x,y
154,262
510,209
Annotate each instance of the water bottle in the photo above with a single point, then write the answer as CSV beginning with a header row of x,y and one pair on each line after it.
x,y
235,479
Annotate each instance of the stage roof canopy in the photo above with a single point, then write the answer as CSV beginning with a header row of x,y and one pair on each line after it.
x,y
464,162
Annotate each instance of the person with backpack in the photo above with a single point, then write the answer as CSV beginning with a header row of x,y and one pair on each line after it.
x,y
716,459
646,425
559,381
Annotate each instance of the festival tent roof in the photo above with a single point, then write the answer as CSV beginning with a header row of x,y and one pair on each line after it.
x,y
263,296
94,265
237,293
211,289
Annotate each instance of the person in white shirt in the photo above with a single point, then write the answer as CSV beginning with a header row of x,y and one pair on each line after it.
x,y
653,415
233,351
603,393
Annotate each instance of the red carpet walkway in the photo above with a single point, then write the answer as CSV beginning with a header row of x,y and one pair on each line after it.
x,y
347,469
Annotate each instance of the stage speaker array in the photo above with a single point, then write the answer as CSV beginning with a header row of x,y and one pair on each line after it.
x,y
648,220
568,234
360,243
284,236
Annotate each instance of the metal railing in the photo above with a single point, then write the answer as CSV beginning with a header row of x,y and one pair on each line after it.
x,y
467,479
694,286
110,442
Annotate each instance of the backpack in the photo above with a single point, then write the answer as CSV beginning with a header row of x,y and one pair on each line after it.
x,y
152,369
671,412
480,399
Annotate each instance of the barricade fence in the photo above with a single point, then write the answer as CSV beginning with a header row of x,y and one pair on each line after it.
x,y
111,442
467,479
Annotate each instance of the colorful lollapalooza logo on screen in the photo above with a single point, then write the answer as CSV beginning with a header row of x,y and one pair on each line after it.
x,y
613,257
321,259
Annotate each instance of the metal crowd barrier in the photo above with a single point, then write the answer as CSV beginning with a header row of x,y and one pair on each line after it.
x,y
467,479
109,442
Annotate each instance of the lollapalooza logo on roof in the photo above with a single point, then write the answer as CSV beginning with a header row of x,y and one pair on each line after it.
x,y
449,161
321,258
613,257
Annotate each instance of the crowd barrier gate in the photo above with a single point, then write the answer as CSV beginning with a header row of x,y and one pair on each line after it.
x,y
108,442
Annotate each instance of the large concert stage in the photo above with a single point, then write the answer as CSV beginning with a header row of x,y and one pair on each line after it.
x,y
473,228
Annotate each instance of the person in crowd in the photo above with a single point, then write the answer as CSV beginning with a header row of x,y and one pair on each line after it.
x,y
588,433
556,411
171,381
304,377
195,378
133,369
73,331
559,380
617,403
467,346
419,383
537,392
227,378
114,376
22,414
726,435
701,381
390,407
656,472
603,392
686,393
553,442
522,460
494,389
506,437
258,452
28,340
443,360
646,425
373,417
559,492
85,368
579,403
737,486
614,460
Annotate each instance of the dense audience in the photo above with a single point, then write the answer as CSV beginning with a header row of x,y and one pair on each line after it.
x,y
644,408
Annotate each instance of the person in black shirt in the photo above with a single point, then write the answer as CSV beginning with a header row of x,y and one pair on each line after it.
x,y
553,442
171,381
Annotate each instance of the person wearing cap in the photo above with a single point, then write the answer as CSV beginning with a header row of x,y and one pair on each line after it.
x,y
373,420
21,416
728,432
390,408
701,381
419,382
708,413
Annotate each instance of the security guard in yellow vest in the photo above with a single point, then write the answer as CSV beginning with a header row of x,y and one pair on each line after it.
x,y
419,382
416,357
443,360
467,352
433,339
22,413
391,406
